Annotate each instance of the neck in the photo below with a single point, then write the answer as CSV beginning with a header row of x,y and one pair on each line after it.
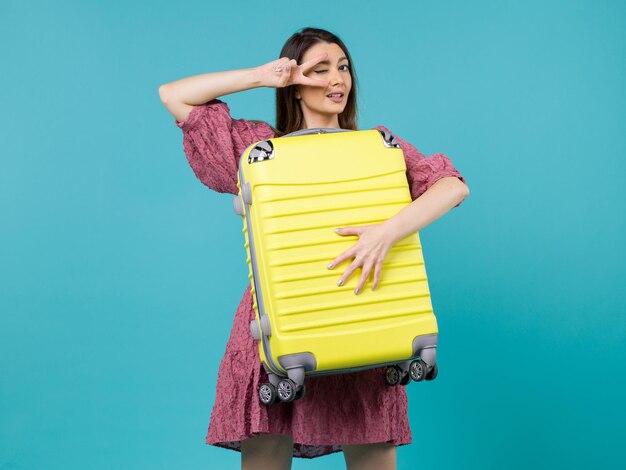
x,y
320,120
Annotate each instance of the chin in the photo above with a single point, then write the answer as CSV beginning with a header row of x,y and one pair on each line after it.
x,y
335,109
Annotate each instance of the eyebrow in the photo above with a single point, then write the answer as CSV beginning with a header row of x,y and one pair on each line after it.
x,y
327,62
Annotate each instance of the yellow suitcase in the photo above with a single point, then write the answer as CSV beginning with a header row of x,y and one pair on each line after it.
x,y
293,192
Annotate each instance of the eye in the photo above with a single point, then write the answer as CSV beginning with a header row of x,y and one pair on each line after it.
x,y
346,69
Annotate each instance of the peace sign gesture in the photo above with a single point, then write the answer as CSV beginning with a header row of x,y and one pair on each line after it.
x,y
284,72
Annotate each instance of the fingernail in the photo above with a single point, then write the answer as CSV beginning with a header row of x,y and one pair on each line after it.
x,y
330,266
339,282
356,291
337,229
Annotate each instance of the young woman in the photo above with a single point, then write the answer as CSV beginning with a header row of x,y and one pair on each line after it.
x,y
357,412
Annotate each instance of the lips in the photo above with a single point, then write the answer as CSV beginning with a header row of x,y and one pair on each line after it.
x,y
335,97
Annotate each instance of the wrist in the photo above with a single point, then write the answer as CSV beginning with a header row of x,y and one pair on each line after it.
x,y
391,231
255,78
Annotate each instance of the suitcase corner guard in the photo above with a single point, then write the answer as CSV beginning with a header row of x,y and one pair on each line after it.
x,y
425,347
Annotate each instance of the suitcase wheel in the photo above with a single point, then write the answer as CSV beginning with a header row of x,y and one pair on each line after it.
x,y
418,370
286,390
432,373
406,379
300,392
393,375
267,393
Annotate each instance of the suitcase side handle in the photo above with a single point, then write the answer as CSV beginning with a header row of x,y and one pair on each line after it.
x,y
388,138
317,130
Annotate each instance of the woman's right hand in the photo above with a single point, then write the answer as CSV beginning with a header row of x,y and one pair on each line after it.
x,y
290,74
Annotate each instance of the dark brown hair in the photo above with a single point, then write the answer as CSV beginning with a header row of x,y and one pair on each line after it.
x,y
289,117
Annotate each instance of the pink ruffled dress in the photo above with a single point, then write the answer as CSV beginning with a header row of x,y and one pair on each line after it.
x,y
354,408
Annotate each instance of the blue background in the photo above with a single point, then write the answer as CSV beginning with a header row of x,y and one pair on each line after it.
x,y
120,272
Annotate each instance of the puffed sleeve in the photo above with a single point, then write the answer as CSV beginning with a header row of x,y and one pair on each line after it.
x,y
213,142
423,172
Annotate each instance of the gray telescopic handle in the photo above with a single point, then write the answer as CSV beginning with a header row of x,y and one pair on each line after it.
x,y
316,130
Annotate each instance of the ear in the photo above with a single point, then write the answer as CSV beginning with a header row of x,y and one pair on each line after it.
x,y
297,92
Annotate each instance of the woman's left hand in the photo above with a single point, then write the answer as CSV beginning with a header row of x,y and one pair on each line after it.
x,y
369,252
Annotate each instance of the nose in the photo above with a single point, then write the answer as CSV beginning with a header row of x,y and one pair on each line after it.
x,y
336,78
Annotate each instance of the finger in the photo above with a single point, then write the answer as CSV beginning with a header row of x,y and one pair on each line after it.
x,y
377,272
289,65
282,63
343,256
346,275
349,230
285,73
305,66
284,76
313,82
365,274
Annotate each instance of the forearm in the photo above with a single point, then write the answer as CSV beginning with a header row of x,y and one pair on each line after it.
x,y
200,89
434,203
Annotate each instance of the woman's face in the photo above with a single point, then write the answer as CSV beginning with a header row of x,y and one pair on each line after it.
x,y
336,69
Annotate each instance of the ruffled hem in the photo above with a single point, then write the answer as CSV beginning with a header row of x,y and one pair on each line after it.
x,y
238,414
307,450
